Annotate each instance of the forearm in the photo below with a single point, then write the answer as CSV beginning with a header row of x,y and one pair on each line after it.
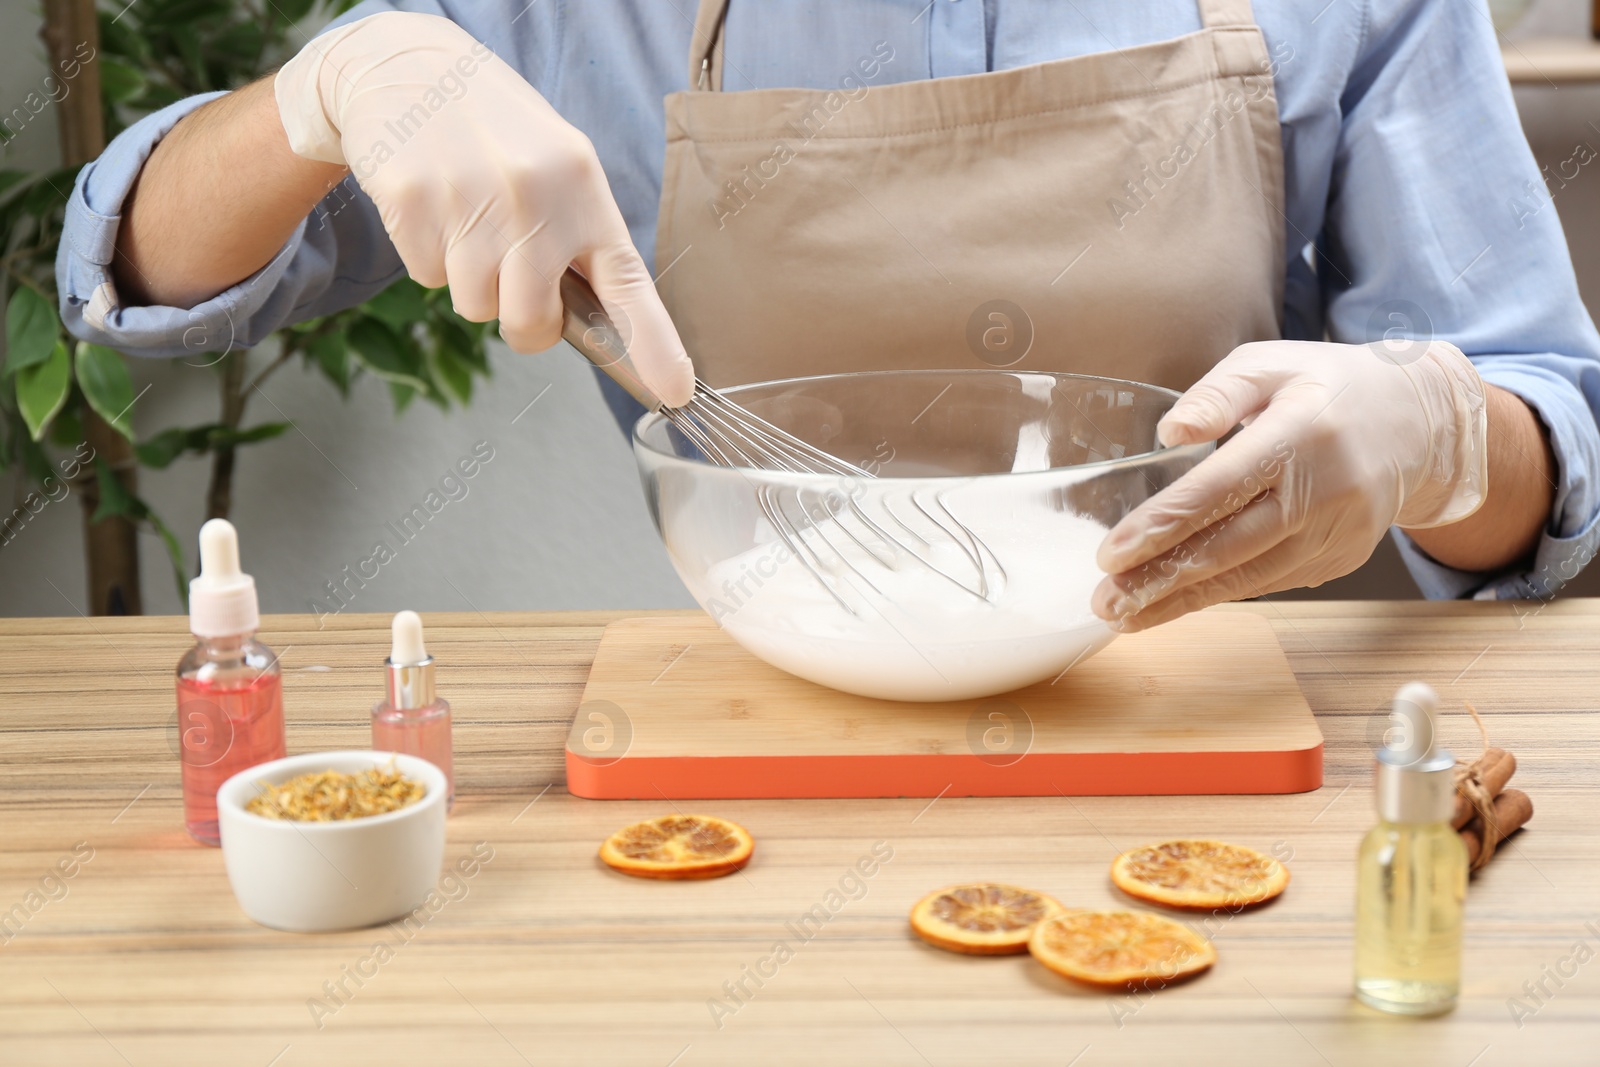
x,y
1522,476
215,202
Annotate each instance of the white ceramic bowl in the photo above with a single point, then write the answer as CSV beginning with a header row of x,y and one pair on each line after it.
x,y
310,877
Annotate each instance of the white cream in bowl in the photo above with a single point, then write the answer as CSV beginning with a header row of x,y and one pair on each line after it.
x,y
915,634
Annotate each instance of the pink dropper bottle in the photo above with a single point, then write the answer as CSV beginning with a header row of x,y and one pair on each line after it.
x,y
230,691
412,718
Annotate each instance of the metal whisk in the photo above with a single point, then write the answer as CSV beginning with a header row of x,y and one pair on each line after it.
x,y
828,520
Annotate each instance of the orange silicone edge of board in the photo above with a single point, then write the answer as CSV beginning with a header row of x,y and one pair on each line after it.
x,y
1036,774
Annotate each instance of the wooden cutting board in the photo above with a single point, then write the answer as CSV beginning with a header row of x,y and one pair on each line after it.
x,y
675,709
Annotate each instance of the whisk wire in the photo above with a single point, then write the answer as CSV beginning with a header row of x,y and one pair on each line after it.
x,y
822,533
982,591
728,435
794,538
789,452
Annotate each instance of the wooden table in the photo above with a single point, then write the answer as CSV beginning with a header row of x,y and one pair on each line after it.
x,y
544,957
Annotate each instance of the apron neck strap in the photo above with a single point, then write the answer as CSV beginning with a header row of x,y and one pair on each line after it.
x,y
705,46
1215,13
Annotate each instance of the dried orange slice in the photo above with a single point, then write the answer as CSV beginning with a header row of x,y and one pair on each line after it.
x,y
1117,949
981,918
679,846
1199,874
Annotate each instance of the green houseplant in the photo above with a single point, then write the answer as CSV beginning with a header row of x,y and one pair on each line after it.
x,y
66,407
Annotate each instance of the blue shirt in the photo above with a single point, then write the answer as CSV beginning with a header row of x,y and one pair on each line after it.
x,y
1405,169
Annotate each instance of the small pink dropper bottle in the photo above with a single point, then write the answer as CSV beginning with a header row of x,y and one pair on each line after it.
x,y
230,690
413,719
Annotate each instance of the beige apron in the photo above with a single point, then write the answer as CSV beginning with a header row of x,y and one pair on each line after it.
x,y
1117,214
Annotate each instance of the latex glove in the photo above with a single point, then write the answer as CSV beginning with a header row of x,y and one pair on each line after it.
x,y
1340,442
479,182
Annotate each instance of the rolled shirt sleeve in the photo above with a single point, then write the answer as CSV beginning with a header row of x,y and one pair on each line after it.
x,y
1440,224
1564,393
337,257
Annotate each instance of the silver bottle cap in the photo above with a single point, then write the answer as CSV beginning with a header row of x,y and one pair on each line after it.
x,y
1415,777
410,684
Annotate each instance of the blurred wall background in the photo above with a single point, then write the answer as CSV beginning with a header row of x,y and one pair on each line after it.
x,y
555,519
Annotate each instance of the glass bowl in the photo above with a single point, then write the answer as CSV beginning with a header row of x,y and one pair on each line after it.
x,y
962,570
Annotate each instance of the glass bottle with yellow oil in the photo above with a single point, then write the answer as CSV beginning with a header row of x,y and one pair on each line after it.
x,y
1411,883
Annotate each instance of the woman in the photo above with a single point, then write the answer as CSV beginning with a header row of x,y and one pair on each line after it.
x,y
1227,200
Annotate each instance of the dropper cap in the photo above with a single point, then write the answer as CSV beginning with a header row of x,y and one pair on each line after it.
x,y
222,600
410,668
1415,777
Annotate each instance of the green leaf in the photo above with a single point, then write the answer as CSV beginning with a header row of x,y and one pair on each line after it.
x,y
174,554
381,351
115,499
439,300
166,446
265,431
15,227
31,329
103,377
119,81
402,395
331,351
169,13
67,430
187,43
9,178
242,39
31,210
157,97
399,306
44,198
469,350
118,38
43,387
437,397
454,376
114,496
159,451
34,460
294,10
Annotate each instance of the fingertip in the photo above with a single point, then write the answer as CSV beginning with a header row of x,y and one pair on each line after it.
x,y
426,271
474,312
1204,413
1192,420
676,385
1101,600
1112,556
474,285
1174,432
526,343
1124,624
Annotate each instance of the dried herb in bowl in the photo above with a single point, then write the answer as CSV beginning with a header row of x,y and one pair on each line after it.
x,y
326,796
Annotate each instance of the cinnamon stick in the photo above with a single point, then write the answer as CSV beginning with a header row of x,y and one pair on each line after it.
x,y
1512,810
1495,768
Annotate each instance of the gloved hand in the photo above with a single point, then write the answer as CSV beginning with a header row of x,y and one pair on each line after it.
x,y
478,181
1339,443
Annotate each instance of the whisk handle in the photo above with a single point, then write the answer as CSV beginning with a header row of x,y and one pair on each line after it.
x,y
588,328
